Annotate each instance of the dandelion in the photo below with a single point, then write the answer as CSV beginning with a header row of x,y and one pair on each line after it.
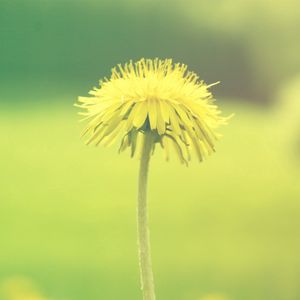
x,y
150,103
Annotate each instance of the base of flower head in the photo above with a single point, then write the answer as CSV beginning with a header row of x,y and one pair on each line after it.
x,y
182,145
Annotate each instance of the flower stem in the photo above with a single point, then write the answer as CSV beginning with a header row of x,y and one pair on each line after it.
x,y
146,273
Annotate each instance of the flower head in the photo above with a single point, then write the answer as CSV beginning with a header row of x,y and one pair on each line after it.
x,y
153,97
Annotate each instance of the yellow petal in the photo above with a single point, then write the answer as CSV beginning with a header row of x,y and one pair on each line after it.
x,y
140,114
152,114
174,121
161,126
164,111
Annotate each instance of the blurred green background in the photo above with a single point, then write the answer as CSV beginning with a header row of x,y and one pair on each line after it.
x,y
227,229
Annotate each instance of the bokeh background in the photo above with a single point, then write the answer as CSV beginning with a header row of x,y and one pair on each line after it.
x,y
227,229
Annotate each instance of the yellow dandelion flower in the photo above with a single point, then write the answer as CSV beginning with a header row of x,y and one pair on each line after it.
x,y
147,103
154,96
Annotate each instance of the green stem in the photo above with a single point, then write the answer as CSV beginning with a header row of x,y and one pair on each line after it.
x,y
147,283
